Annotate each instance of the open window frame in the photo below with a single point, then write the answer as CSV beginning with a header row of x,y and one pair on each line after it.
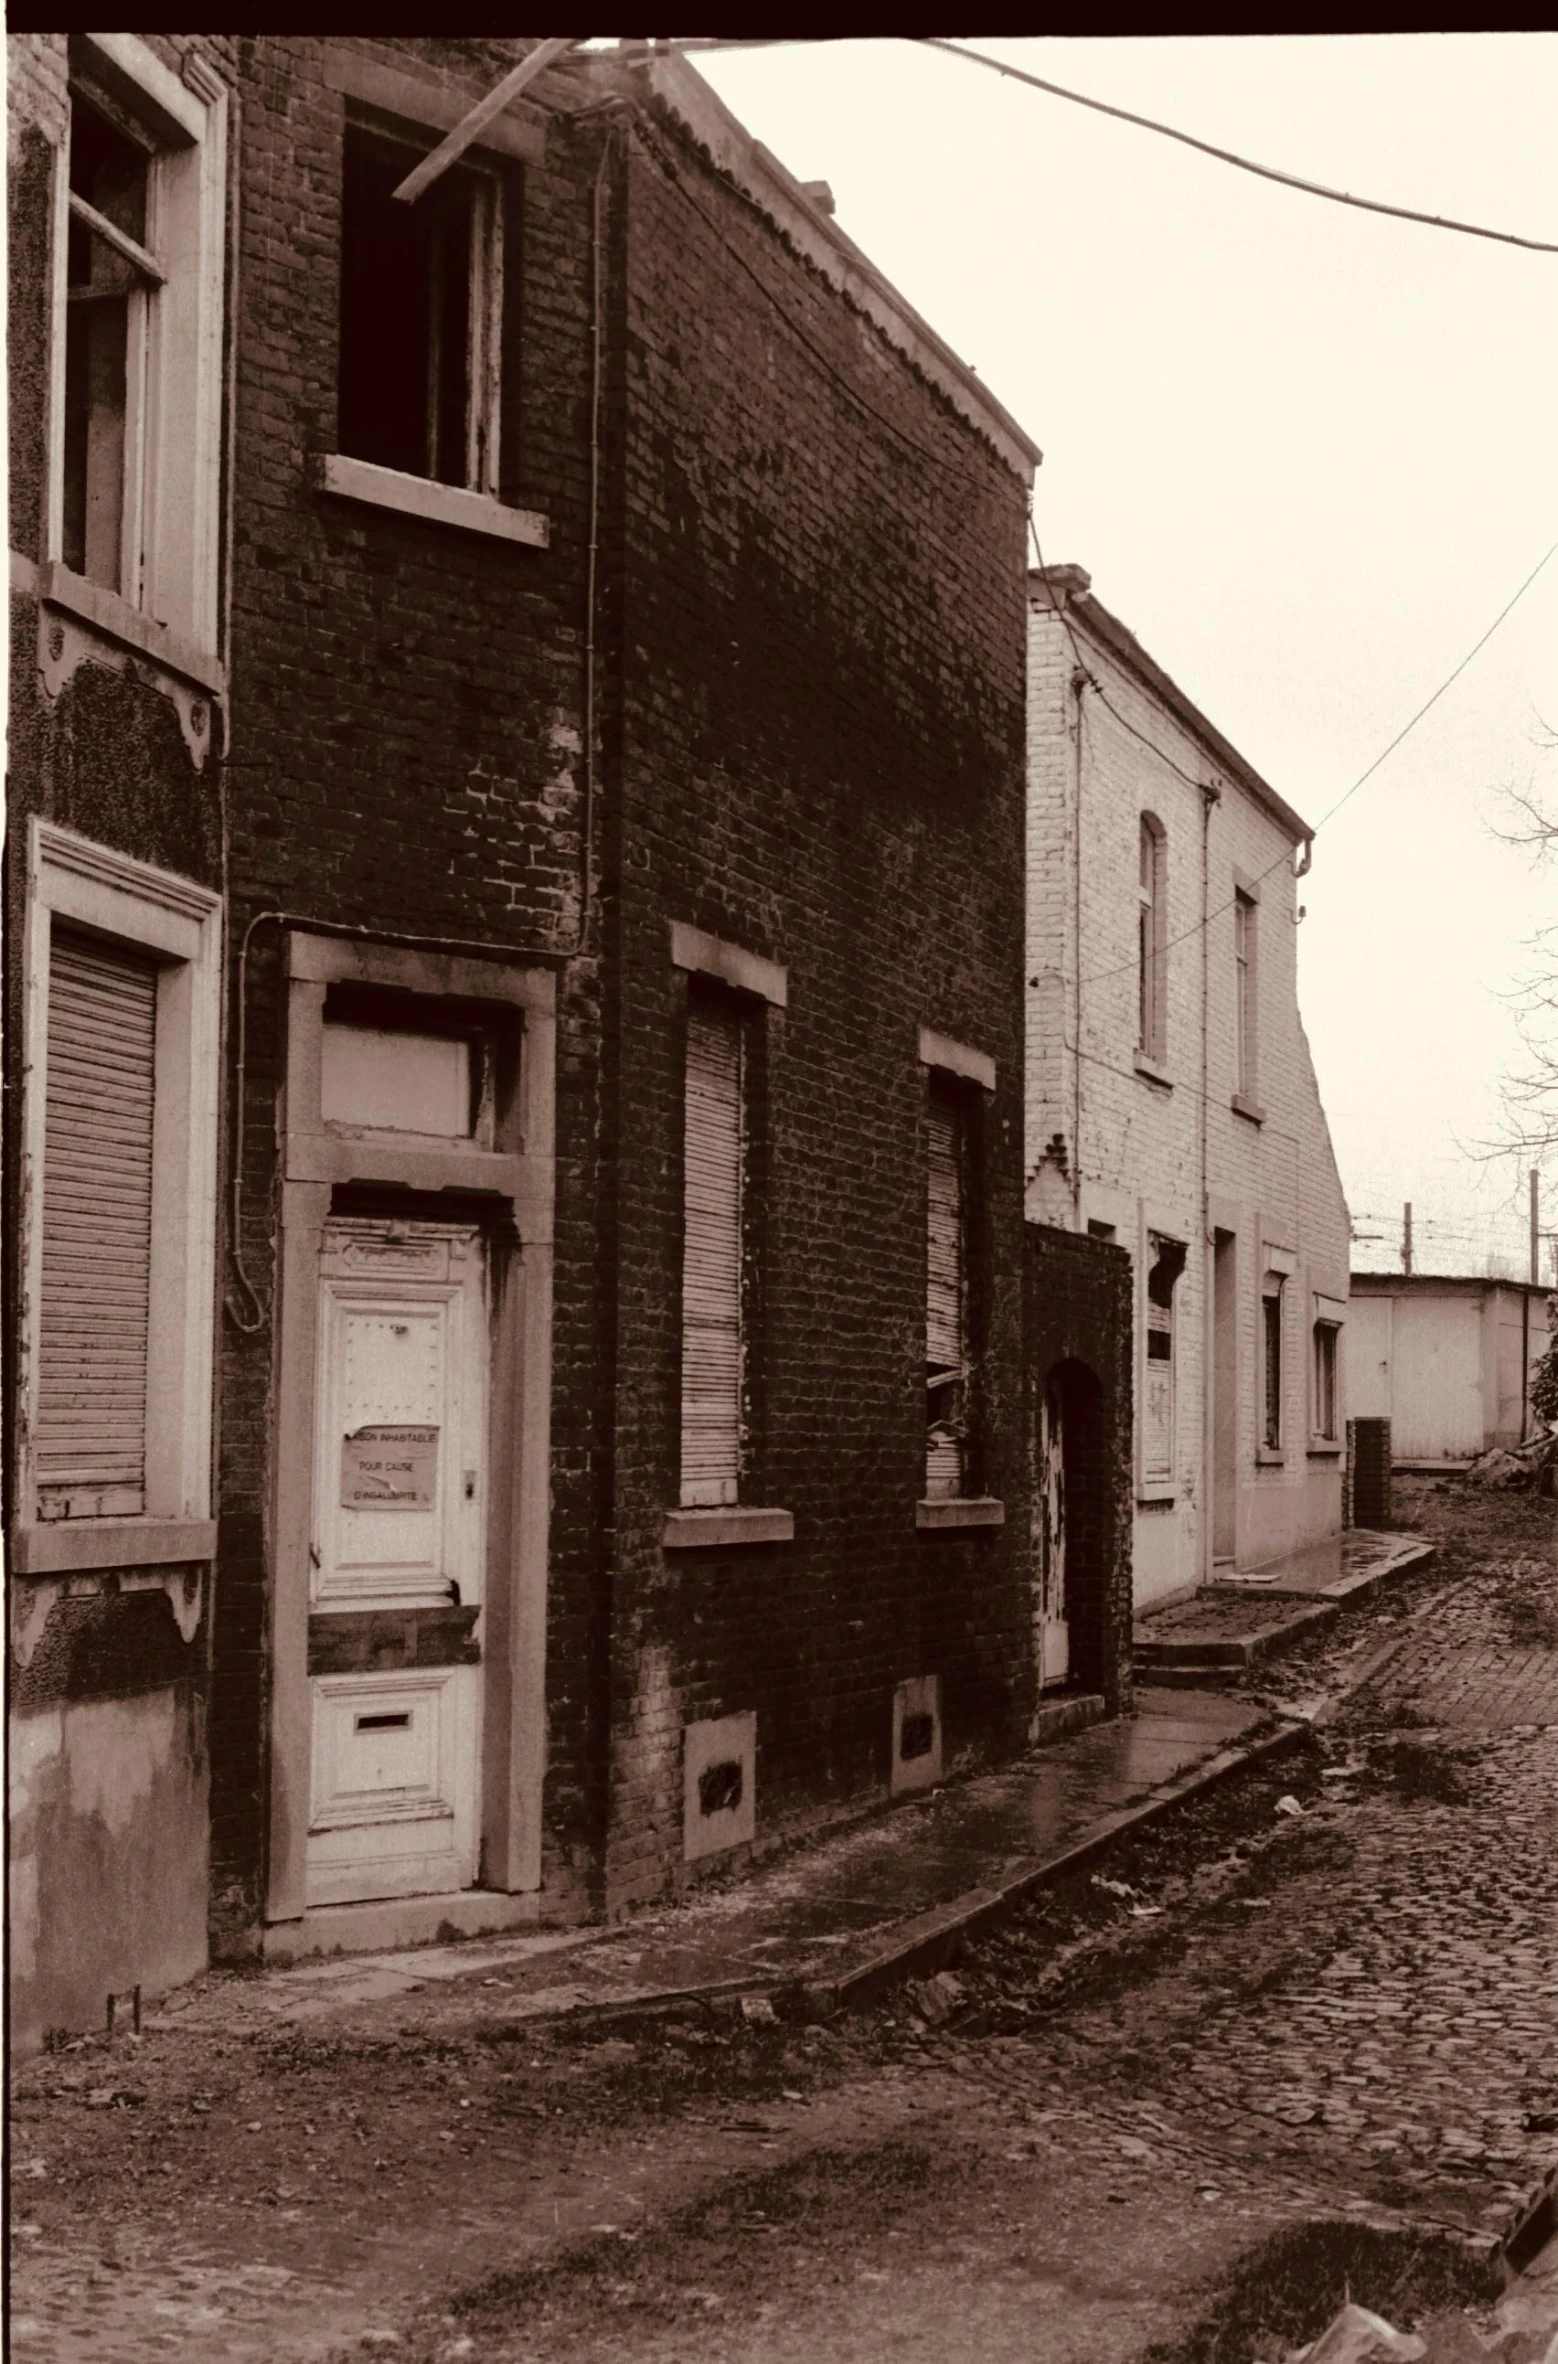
x,y
146,568
471,196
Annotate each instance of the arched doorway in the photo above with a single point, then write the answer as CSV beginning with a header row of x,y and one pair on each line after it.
x,y
1070,1527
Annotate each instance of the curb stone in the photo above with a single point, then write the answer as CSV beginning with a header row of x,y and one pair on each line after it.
x,y
929,1943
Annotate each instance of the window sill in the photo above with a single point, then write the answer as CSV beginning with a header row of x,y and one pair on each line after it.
x,y
1155,1497
128,627
1251,1109
436,504
54,1546
1270,1457
691,1530
961,1510
1154,1072
1325,1448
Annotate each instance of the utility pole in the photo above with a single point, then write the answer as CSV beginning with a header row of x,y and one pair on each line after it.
x,y
1536,1236
1406,1239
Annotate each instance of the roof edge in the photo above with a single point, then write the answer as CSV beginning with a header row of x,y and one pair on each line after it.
x,y
1079,601
675,81
1380,1283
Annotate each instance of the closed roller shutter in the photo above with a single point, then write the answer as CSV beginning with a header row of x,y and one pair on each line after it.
x,y
711,1268
945,1325
90,1429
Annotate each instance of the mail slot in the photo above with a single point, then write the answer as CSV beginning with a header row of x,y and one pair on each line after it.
x,y
386,1723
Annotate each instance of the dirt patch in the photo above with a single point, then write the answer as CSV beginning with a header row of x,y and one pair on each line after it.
x,y
1286,2290
1431,1769
1528,1604
759,2236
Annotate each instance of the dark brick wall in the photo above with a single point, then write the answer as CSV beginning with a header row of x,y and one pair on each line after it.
x,y
1368,1473
810,704
408,716
1078,1323
821,730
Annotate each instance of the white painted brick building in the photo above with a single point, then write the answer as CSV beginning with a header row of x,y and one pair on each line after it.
x,y
1171,1100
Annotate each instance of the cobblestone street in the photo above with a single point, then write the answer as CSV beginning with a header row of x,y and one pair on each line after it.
x,y
1327,1992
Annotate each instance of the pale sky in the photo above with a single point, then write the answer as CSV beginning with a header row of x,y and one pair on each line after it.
x,y
1306,454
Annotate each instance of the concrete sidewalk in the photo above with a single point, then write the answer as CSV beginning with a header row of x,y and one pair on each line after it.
x,y
1339,1568
822,1924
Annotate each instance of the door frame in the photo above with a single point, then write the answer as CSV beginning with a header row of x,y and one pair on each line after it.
x,y
518,1174
1223,1397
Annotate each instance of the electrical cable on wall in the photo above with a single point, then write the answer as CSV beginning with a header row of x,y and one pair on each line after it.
x,y
1187,934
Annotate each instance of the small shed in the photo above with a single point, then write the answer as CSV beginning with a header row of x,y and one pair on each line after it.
x,y
1447,1360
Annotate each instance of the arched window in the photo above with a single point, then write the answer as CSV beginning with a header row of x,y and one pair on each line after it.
x,y
1152,1038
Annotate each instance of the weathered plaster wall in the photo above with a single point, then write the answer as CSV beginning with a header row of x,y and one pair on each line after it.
x,y
1109,1144
108,1794
108,1671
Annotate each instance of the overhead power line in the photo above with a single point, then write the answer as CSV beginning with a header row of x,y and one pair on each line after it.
x,y
1187,934
1265,172
1168,131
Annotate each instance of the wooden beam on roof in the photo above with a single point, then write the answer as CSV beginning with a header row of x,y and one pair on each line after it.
x,y
471,126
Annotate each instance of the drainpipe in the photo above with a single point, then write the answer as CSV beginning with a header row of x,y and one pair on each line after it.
x,y
1211,796
1079,680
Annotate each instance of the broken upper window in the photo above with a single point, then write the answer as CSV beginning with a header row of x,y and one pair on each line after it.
x,y
421,295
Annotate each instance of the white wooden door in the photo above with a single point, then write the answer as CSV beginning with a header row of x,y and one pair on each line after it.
x,y
399,1516
1050,1521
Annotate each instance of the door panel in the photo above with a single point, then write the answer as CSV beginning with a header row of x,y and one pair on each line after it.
x,y
399,1518
1050,1518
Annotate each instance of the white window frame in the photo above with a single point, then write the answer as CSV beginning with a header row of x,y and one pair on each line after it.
x,y
173,473
1329,1314
180,924
1152,940
1246,994
1159,1485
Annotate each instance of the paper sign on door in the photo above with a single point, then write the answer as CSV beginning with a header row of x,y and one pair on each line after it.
x,y
389,1468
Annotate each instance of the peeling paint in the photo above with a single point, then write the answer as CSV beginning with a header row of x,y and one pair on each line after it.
x,y
183,1587
64,647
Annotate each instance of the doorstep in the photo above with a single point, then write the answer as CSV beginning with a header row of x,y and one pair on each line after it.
x,y
394,1921
1214,1638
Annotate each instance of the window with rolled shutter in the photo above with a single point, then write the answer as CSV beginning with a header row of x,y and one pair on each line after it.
x,y
712,1342
946,1304
89,1430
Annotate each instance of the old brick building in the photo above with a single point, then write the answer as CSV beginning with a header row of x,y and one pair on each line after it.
x,y
1171,1101
516,910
